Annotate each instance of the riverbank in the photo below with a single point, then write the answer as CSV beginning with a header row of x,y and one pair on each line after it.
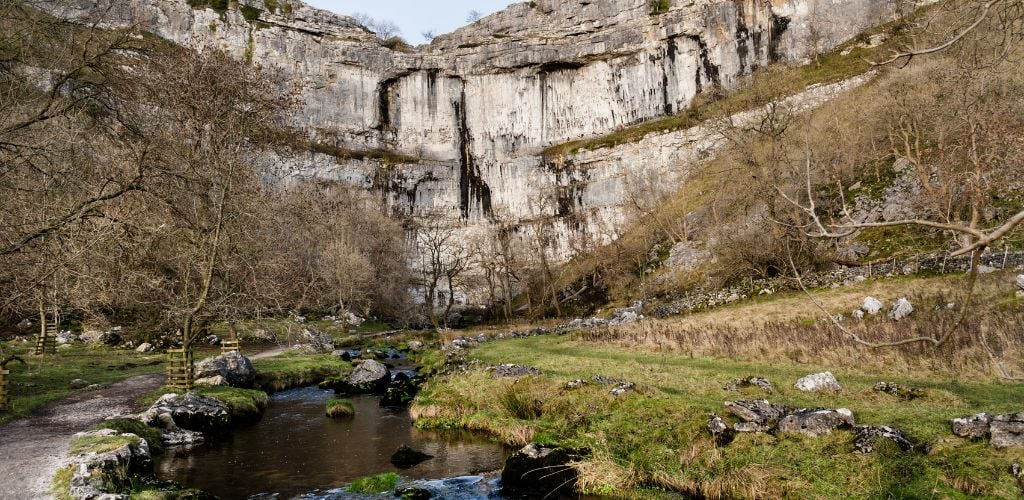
x,y
655,434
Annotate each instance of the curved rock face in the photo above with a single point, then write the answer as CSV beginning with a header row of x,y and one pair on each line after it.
x,y
466,118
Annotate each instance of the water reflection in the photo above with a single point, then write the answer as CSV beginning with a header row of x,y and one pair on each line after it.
x,y
295,449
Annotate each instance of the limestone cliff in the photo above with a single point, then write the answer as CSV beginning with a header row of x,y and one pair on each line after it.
x,y
466,118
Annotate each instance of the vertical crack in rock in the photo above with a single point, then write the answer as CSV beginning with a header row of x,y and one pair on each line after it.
x,y
473,190
710,70
779,26
668,64
432,91
384,103
742,36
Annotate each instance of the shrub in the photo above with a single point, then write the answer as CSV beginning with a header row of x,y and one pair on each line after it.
x,y
380,483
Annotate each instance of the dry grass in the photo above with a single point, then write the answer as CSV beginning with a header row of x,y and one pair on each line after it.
x,y
791,328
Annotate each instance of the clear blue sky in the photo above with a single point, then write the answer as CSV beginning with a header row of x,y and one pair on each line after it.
x,y
415,16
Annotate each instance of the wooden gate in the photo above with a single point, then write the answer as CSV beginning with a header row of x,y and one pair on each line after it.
x,y
5,397
46,341
180,368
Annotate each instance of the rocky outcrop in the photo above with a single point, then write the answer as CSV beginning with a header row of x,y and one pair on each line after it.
x,y
232,368
900,391
815,422
369,377
192,411
465,120
538,471
108,473
1003,431
510,370
868,437
762,383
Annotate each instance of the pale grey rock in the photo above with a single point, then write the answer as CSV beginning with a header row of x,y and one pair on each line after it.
x,y
510,370
1020,282
192,411
686,258
1007,430
319,341
415,345
858,314
815,422
233,368
66,337
78,383
717,425
866,438
901,309
871,305
760,382
182,437
144,348
972,427
369,376
983,269
758,411
621,389
824,381
214,381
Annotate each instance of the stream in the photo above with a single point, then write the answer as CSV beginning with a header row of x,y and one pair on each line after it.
x,y
294,450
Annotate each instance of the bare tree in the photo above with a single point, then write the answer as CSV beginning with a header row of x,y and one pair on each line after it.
x,y
383,28
473,16
443,260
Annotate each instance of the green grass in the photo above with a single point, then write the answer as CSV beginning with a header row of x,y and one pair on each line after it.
x,y
339,408
381,483
132,426
100,444
244,404
294,370
45,378
60,486
656,436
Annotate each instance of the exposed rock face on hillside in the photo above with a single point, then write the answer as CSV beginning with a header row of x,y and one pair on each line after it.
x,y
468,116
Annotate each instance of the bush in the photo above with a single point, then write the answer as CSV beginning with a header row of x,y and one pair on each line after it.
x,y
380,483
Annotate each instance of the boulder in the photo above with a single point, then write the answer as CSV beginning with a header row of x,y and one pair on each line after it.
x,y
871,305
78,384
110,473
509,370
900,391
857,314
320,342
235,368
818,382
866,438
1020,282
901,309
66,337
737,384
144,348
622,389
1007,430
415,345
575,384
406,457
369,377
758,411
816,422
192,411
717,425
212,339
110,338
972,427
538,471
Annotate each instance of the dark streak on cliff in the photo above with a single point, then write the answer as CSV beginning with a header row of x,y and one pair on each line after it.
x,y
472,188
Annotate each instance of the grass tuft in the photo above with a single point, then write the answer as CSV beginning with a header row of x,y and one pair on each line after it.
x,y
381,483
336,408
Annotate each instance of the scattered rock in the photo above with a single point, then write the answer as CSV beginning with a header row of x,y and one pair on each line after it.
x,y
509,370
235,368
717,425
212,339
24,324
866,437
182,437
816,422
972,427
260,335
538,471
622,389
871,305
901,309
740,383
1020,282
1018,472
66,337
758,411
407,457
192,411
818,382
110,338
751,427
858,314
1007,430
415,345
108,474
320,342
575,384
602,380
900,391
78,384
144,348
983,269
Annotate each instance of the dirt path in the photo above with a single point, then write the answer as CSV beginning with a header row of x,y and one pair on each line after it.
x,y
32,449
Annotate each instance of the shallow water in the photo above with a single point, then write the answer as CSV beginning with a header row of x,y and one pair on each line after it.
x,y
295,449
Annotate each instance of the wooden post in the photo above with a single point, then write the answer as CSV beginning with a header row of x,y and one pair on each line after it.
x,y
231,343
5,399
46,342
180,366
